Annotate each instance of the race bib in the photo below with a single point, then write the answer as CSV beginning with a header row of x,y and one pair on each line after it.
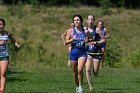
x,y
91,48
80,44
3,47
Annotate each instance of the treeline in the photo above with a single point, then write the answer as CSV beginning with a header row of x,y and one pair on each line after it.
x,y
98,3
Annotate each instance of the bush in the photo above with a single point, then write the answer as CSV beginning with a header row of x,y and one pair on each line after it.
x,y
134,58
113,54
105,4
16,10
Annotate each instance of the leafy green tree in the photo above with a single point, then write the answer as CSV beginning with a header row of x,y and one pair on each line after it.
x,y
105,4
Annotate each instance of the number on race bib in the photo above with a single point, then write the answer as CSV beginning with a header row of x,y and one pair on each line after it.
x,y
80,44
3,47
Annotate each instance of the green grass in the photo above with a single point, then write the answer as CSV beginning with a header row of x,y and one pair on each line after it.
x,y
40,29
110,80
41,63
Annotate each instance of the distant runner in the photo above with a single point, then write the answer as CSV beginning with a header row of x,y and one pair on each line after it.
x,y
106,35
4,55
63,38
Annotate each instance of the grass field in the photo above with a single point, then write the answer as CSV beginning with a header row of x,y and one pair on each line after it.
x,y
40,65
110,80
39,31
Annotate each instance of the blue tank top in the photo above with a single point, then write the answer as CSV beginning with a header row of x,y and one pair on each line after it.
x,y
79,42
103,31
4,46
103,45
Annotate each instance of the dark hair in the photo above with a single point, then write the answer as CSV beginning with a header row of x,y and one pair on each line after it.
x,y
91,15
100,20
1,19
80,17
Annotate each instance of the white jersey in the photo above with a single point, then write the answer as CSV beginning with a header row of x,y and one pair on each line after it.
x,y
4,45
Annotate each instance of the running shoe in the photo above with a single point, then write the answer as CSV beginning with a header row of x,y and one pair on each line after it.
x,y
81,89
77,89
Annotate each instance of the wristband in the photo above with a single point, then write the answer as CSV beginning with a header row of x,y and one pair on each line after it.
x,y
96,43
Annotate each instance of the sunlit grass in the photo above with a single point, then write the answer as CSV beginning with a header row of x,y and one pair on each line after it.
x,y
45,25
110,80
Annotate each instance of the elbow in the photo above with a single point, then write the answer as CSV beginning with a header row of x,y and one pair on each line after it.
x,y
108,36
104,40
66,42
62,36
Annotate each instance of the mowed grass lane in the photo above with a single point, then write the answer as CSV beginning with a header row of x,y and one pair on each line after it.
x,y
110,80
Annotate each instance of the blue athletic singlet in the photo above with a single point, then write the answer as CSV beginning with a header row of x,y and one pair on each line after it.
x,y
78,46
4,45
103,45
94,50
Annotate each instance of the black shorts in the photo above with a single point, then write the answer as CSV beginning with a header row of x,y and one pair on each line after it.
x,y
96,56
4,58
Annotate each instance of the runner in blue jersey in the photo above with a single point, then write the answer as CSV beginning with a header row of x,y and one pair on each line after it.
x,y
106,35
63,38
4,55
76,37
95,39
64,35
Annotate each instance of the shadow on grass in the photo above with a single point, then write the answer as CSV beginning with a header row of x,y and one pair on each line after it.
x,y
14,71
14,75
12,79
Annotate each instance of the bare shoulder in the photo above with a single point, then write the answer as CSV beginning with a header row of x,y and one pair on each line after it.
x,y
97,28
66,32
69,31
105,29
69,34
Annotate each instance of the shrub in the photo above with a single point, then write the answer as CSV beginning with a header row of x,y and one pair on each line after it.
x,y
134,58
16,10
105,4
113,54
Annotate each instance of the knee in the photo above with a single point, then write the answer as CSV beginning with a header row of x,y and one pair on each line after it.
x,y
80,71
75,72
88,71
3,74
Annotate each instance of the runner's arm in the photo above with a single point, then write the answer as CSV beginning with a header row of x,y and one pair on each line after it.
x,y
102,40
68,37
107,33
13,40
63,35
